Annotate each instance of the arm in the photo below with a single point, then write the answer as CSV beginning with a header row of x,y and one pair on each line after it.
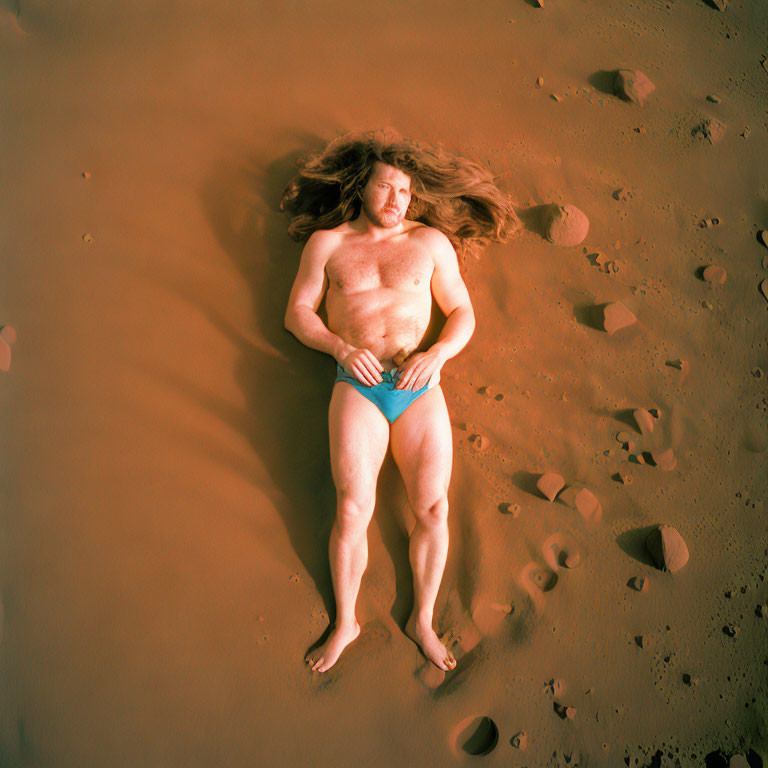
x,y
302,320
452,297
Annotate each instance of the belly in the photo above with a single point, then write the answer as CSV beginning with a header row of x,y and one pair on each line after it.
x,y
384,320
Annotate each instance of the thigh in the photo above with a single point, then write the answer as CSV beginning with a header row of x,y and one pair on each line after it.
x,y
422,446
359,436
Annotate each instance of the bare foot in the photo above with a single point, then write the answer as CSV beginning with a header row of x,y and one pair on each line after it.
x,y
426,638
324,657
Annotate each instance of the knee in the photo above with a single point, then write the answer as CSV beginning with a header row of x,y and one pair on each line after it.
x,y
353,513
433,514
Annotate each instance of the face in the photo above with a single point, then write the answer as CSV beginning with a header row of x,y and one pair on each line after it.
x,y
387,195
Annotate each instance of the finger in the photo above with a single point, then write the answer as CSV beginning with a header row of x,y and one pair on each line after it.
x,y
371,371
375,360
364,377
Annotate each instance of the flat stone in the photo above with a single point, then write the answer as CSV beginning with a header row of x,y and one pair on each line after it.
x,y
644,420
565,225
666,460
8,332
667,548
550,484
632,85
640,584
616,316
588,505
714,274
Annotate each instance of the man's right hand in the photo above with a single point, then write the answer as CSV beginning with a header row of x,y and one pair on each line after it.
x,y
363,365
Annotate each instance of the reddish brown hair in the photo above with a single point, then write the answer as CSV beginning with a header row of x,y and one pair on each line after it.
x,y
451,193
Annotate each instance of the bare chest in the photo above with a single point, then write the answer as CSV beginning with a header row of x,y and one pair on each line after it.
x,y
364,268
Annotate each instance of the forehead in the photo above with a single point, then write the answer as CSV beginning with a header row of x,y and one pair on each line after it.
x,y
396,177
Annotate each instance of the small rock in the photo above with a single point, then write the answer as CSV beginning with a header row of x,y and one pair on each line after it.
x,y
644,420
8,332
738,761
640,584
616,316
519,740
709,222
714,274
510,509
763,237
642,641
746,133
564,710
667,548
588,505
632,85
714,98
687,678
479,442
666,460
555,97
539,82
710,129
732,630
86,174
761,610
555,686
87,237
565,225
720,5
763,287
623,436
550,484
625,478
655,413
707,305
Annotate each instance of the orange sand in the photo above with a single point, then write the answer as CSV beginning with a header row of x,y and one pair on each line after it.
x,y
166,489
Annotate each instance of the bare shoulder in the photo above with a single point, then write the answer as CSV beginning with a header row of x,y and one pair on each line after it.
x,y
322,243
436,242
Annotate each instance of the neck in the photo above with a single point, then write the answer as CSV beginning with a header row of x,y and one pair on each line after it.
x,y
376,232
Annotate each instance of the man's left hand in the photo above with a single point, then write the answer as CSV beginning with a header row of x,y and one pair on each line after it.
x,y
418,369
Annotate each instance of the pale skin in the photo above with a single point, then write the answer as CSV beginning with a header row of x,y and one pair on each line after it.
x,y
378,275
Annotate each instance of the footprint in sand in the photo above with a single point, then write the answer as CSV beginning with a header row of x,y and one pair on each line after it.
x,y
561,551
476,735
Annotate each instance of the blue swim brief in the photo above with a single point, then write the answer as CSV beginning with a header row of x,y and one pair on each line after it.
x,y
390,401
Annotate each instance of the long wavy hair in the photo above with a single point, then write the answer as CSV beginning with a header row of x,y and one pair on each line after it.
x,y
451,193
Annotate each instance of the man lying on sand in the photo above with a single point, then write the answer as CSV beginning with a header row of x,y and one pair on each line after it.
x,y
384,216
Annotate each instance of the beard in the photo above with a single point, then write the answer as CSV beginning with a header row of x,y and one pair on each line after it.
x,y
383,217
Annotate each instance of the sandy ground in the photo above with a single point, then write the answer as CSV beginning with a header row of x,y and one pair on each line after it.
x,y
166,488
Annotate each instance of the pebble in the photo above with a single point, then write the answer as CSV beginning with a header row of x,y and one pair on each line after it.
x,y
707,305
632,85
732,630
588,505
746,133
764,289
565,710
709,222
644,420
666,460
714,98
714,274
539,82
763,235
565,225
721,5
640,584
623,436
625,478
479,442
616,316
86,174
8,332
87,237
667,548
761,610
550,484
519,740
642,641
